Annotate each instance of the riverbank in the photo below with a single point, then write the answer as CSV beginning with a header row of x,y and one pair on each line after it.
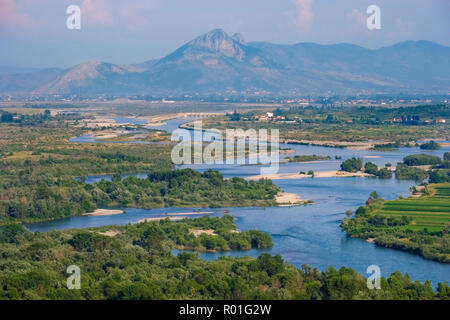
x,y
160,120
189,213
319,174
160,218
288,199
334,144
103,212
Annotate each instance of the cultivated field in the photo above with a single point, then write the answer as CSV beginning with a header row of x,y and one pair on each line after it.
x,y
431,211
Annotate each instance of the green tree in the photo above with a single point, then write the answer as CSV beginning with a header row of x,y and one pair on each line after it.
x,y
432,145
352,165
370,168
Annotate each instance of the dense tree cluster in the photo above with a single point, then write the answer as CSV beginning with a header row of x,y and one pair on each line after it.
x,y
138,263
439,176
383,173
35,119
46,196
405,172
431,145
438,173
352,165
421,159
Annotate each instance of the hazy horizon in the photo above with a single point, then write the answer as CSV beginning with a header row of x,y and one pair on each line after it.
x,y
35,68
34,35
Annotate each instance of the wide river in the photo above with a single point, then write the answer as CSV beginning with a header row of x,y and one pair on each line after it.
x,y
302,234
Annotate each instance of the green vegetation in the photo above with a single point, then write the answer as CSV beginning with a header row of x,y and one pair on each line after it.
x,y
395,126
439,173
432,145
404,172
224,238
439,176
184,188
53,197
352,165
137,263
417,225
370,168
306,158
389,146
355,165
38,166
35,118
383,173
421,159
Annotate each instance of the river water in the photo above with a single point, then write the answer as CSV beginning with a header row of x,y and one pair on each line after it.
x,y
308,234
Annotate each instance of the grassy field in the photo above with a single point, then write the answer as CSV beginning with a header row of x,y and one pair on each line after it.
x,y
431,211
26,111
417,225
358,124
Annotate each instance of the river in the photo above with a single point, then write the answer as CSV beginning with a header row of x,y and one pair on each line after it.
x,y
308,234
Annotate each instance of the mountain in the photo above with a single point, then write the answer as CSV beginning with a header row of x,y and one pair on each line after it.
x,y
27,82
217,63
96,77
213,62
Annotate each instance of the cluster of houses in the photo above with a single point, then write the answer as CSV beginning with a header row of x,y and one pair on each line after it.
x,y
416,119
268,116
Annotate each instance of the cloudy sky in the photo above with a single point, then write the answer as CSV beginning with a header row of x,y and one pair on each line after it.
x,y
33,33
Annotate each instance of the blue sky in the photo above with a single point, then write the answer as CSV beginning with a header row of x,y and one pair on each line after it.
x,y
34,33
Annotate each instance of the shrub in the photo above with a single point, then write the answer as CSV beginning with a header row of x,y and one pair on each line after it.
x,y
352,165
371,168
432,145
421,159
384,173
447,156
403,172
439,176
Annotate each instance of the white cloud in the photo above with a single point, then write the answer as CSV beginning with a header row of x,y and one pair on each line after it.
x,y
305,16
11,14
357,18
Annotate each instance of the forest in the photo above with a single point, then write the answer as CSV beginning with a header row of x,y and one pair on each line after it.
x,y
45,197
136,262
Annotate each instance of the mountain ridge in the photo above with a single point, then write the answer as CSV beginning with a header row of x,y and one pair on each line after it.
x,y
217,63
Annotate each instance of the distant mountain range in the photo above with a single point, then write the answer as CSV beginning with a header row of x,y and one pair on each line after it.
x,y
217,63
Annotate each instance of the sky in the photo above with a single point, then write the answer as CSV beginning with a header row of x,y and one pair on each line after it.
x,y
33,33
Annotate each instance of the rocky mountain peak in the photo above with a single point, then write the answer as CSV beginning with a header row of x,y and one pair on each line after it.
x,y
239,38
218,40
